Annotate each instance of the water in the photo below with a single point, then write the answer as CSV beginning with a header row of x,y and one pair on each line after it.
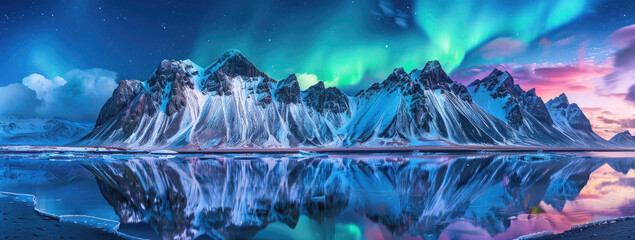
x,y
475,196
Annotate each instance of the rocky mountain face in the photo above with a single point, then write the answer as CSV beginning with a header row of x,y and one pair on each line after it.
x,y
228,104
623,139
233,104
569,119
420,108
522,110
517,105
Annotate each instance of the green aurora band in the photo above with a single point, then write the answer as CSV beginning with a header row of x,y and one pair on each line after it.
x,y
345,44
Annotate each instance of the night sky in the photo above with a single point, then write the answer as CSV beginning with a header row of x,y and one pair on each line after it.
x,y
581,47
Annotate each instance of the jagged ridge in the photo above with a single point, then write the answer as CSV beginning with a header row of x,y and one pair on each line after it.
x,y
233,104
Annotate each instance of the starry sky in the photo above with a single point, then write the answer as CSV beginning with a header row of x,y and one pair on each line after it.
x,y
64,50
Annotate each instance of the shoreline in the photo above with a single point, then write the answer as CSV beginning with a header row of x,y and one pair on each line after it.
x,y
19,212
613,228
395,149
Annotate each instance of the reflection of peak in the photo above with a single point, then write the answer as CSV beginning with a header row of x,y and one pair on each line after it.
x,y
229,195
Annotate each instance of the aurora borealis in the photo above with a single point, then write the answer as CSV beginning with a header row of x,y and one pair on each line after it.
x,y
552,45
354,40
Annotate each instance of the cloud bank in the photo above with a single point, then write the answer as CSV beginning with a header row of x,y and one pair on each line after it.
x,y
77,96
630,96
17,99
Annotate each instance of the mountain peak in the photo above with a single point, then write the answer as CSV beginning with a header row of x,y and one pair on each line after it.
x,y
562,97
319,85
231,57
179,71
499,82
560,101
624,139
233,54
233,51
432,65
288,90
398,75
433,76
231,65
503,77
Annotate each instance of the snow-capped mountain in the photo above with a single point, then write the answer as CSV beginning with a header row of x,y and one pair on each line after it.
x,y
570,120
623,139
233,104
16,130
228,104
421,108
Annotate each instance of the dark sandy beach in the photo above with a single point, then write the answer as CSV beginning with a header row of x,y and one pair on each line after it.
x,y
21,221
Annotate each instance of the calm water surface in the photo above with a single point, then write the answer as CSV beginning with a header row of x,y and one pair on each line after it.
x,y
476,196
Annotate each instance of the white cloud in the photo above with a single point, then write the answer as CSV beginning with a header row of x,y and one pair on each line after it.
x,y
16,99
41,85
306,80
79,95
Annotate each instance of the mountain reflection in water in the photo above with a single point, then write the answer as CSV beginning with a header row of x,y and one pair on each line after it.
x,y
371,197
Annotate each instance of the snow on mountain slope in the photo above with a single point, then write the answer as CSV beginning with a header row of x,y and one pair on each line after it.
x,y
570,120
522,110
623,139
16,130
228,104
233,104
417,109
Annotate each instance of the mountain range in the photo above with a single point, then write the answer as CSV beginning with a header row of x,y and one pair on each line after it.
x,y
232,104
21,130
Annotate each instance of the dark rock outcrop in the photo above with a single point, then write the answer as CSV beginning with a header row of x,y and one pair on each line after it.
x,y
500,85
571,112
126,91
326,99
232,64
288,90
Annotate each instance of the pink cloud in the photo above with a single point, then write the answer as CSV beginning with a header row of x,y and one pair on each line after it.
x,y
630,96
544,41
569,73
502,47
